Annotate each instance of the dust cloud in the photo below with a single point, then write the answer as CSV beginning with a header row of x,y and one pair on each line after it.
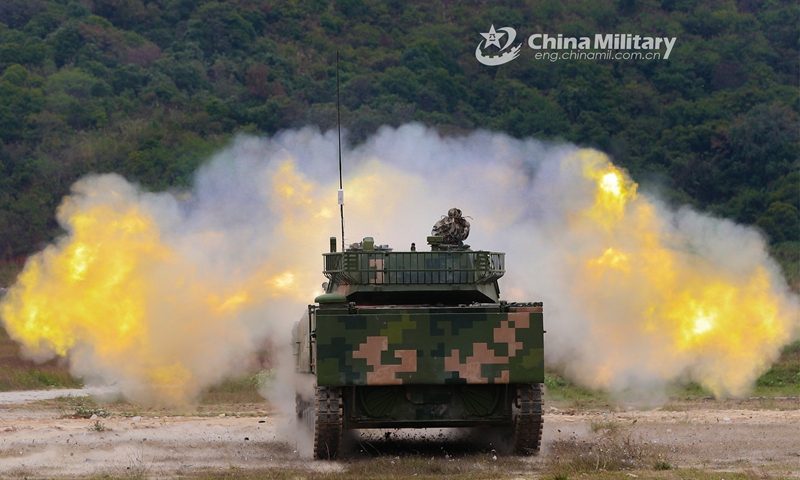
x,y
166,294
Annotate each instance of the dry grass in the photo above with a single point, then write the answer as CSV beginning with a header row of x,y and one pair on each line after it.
x,y
753,403
385,468
672,474
419,466
390,469
616,449
605,425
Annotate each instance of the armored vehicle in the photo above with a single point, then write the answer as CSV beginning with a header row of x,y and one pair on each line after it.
x,y
413,339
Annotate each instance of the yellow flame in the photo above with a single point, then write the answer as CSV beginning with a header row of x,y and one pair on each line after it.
x,y
85,283
116,291
233,302
294,195
610,184
284,281
612,259
686,307
614,189
80,262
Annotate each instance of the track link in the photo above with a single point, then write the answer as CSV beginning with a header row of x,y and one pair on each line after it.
x,y
328,423
528,419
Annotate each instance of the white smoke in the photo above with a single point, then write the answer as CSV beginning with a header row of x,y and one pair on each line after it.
x,y
260,212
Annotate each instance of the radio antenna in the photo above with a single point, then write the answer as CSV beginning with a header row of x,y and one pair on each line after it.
x,y
339,127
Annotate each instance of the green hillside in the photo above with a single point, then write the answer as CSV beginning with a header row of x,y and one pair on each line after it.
x,y
148,88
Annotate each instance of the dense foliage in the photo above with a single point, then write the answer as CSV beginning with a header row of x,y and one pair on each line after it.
x,y
148,88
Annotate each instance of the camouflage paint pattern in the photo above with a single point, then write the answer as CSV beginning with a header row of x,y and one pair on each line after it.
x,y
428,345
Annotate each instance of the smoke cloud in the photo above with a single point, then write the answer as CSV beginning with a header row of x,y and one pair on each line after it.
x,y
169,293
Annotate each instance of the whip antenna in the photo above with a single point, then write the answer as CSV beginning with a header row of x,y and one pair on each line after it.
x,y
339,127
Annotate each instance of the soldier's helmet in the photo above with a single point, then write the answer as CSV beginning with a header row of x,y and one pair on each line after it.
x,y
453,228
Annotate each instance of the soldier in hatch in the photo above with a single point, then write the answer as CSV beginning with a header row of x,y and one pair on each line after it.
x,y
454,228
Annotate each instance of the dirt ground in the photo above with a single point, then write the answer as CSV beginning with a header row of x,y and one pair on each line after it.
x,y
40,441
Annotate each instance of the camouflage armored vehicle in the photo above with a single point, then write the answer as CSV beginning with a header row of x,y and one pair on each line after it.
x,y
417,339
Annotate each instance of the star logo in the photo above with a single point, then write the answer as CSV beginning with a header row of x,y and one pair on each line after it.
x,y
492,38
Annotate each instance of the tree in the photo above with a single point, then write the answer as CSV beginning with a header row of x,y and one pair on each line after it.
x,y
764,146
66,43
219,28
